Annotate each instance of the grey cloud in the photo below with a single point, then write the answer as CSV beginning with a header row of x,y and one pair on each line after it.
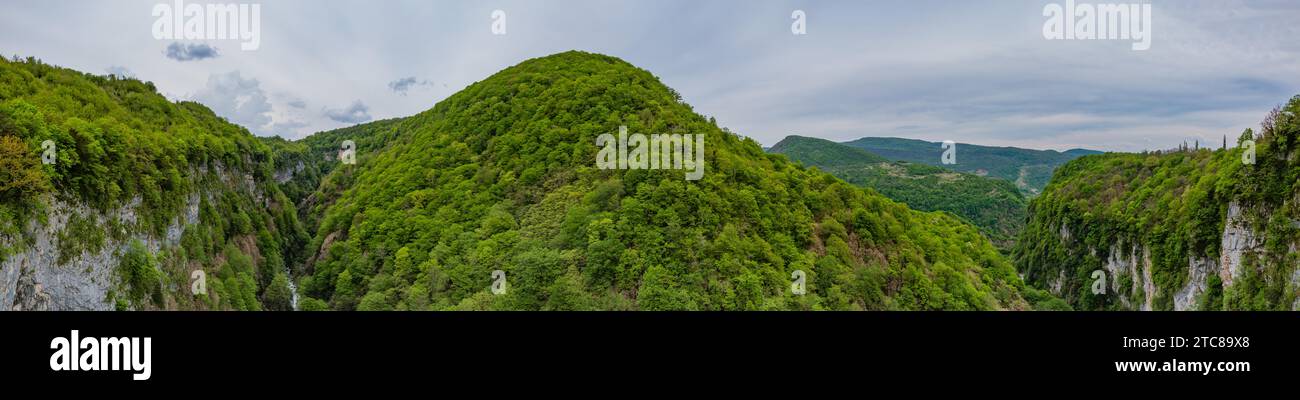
x,y
288,129
190,52
401,86
297,103
355,113
238,99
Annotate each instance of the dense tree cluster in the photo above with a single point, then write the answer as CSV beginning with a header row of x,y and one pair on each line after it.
x,y
994,205
501,176
118,145
1175,204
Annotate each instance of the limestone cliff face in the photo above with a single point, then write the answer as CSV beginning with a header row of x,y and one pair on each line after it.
x,y
285,174
1128,267
1237,240
1135,264
35,277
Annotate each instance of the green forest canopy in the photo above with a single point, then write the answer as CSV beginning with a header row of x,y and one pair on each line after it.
x,y
120,145
1175,203
501,177
994,205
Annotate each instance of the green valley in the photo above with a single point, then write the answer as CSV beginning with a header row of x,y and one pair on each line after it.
x,y
495,186
112,197
1029,169
993,205
502,177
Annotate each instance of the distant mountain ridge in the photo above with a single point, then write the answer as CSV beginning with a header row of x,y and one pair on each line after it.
x,y
497,182
1029,169
993,205
487,201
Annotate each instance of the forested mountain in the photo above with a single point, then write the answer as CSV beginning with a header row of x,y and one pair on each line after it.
x,y
141,200
502,176
1182,229
304,167
1029,169
144,193
993,205
824,153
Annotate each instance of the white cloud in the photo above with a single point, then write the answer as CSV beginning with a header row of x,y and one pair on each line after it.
x,y
979,72
354,113
119,71
238,99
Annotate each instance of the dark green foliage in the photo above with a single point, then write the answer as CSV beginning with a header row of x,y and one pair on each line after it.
x,y
993,205
139,272
310,304
1045,301
660,292
277,296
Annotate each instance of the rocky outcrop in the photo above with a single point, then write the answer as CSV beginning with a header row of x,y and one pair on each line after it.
x,y
1134,262
1120,264
286,174
29,295
1237,239
1295,283
34,279
1197,270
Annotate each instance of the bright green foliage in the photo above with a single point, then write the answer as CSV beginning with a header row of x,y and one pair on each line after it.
x,y
502,176
310,304
306,163
20,173
993,205
121,146
1175,204
1029,169
117,139
498,177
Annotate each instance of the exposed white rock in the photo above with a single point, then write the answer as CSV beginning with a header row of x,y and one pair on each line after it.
x,y
1198,268
1137,267
33,279
1119,265
1237,239
1295,284
284,175
1148,284
1056,284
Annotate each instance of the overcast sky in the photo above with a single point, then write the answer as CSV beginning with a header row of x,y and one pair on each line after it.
x,y
975,72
